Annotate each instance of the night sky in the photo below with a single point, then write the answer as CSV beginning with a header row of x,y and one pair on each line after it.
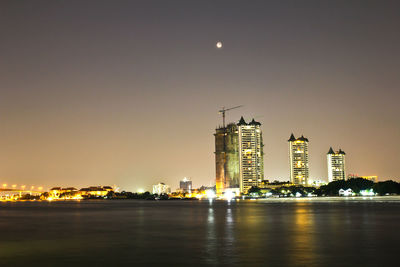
x,y
128,92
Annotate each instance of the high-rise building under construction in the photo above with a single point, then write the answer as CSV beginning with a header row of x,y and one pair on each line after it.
x,y
239,156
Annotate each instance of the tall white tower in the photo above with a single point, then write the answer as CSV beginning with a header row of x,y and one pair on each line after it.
x,y
336,165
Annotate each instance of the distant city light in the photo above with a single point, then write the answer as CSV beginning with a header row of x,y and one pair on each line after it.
x,y
210,194
229,195
140,191
367,192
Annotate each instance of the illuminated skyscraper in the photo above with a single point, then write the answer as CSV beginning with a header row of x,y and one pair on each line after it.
x,y
336,165
250,154
298,154
239,156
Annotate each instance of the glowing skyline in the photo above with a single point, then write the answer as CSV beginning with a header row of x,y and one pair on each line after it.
x,y
98,93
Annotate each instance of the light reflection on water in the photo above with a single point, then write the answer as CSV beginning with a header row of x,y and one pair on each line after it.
x,y
211,242
303,242
248,233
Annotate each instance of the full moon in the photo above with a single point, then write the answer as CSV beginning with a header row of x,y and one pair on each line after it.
x,y
219,44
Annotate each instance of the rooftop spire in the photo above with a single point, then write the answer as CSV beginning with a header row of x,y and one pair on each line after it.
x,y
253,122
292,138
242,121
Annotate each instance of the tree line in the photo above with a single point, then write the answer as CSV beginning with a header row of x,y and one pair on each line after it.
x,y
332,189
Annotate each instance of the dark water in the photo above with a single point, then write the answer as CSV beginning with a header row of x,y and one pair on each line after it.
x,y
326,232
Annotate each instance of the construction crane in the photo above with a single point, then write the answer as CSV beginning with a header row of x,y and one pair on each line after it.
x,y
223,110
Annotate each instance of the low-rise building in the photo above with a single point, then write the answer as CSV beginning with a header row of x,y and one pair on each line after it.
x,y
265,184
96,191
161,188
346,193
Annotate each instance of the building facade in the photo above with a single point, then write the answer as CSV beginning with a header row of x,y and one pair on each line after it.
x,y
239,156
161,188
336,165
185,185
226,158
251,163
298,157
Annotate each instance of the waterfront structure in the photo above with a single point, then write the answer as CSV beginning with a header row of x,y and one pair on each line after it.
x,y
73,193
265,184
185,185
96,191
336,165
56,192
239,156
161,188
317,182
346,193
298,157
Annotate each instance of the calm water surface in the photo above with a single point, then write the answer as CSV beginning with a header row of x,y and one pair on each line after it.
x,y
297,232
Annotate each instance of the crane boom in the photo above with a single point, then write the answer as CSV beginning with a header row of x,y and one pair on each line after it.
x,y
226,109
223,110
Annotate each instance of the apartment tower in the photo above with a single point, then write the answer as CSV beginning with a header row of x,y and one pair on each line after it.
x,y
298,156
239,156
336,165
250,154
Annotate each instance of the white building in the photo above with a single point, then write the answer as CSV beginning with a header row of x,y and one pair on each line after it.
x,y
161,188
346,193
298,156
251,164
185,185
336,165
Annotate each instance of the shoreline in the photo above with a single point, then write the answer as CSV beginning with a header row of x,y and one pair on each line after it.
x,y
270,199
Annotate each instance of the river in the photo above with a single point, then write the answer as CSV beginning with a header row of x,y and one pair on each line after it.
x,y
276,232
